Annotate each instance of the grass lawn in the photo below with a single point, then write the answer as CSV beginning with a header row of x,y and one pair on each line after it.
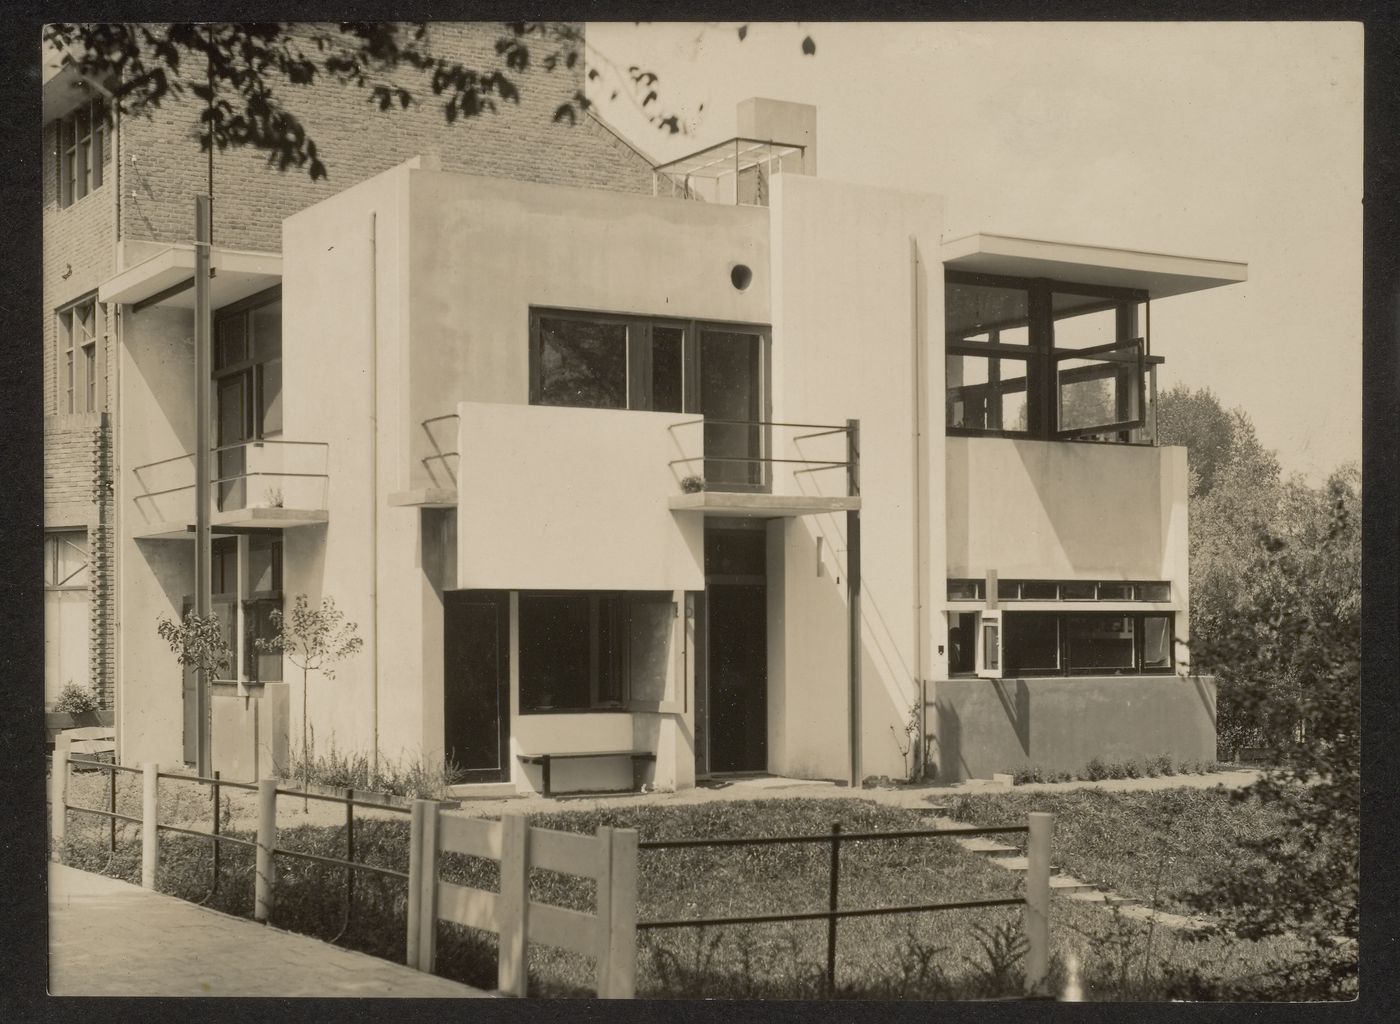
x,y
1156,846
972,953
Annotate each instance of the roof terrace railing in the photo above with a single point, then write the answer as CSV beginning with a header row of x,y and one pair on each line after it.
x,y
735,171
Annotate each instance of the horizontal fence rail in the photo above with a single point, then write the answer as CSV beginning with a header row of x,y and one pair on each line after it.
x,y
1035,902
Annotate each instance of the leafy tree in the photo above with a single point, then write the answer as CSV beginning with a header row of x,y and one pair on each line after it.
x,y
198,643
1197,420
240,73
313,639
1290,659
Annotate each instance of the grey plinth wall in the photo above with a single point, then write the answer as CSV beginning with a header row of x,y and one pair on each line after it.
x,y
983,726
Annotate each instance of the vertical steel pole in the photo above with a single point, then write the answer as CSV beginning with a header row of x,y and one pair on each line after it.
x,y
853,595
833,900
203,332
214,888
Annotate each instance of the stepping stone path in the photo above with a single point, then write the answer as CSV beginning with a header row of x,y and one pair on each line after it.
x,y
1061,883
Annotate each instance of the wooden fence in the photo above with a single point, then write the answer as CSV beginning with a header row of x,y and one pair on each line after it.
x,y
609,935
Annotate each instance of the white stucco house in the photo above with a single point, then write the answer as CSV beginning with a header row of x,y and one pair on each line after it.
x,y
737,477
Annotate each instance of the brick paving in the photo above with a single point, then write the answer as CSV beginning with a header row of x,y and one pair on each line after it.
x,y
110,938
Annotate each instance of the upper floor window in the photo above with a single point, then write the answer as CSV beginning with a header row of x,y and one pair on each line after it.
x,y
1044,359
247,387
77,350
611,361
81,151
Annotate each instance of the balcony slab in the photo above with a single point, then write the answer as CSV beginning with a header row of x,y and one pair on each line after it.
x,y
760,506
236,520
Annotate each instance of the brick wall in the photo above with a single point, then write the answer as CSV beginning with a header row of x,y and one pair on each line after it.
x,y
163,167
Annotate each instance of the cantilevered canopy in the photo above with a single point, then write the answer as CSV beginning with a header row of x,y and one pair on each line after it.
x,y
167,278
1158,274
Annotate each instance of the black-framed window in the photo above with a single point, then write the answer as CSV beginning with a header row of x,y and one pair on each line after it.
x,y
1088,643
618,361
594,650
81,151
1154,591
1043,359
248,582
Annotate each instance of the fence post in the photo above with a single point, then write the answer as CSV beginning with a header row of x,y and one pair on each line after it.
x,y
512,976
267,840
833,901
415,875
150,821
603,903
622,938
427,885
1036,915
58,822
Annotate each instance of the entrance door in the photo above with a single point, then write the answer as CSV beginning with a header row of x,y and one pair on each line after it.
x,y
735,701
476,683
737,674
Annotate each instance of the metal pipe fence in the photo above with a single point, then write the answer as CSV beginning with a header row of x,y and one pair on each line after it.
x,y
1035,901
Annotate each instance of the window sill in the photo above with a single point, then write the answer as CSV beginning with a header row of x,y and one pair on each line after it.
x,y
524,712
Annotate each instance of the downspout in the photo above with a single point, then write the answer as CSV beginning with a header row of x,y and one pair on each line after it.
x,y
920,474
374,480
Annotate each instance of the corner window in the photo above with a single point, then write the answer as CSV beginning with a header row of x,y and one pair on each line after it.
x,y
1154,591
81,151
1087,643
1044,359
78,331
594,650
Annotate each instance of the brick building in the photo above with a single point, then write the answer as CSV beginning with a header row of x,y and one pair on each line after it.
x,y
118,191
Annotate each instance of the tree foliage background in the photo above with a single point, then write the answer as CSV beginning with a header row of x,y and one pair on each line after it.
x,y
1276,618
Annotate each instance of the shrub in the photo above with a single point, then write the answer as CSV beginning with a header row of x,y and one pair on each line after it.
x,y
1133,768
1117,770
1095,770
76,700
1163,764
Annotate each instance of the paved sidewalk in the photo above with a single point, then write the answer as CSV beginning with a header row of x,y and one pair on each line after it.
x,y
109,938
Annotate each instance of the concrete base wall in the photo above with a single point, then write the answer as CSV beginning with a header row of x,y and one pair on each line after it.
x,y
250,733
982,726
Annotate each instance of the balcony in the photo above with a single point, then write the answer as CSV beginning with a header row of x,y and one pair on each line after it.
x,y
764,468
735,172
264,484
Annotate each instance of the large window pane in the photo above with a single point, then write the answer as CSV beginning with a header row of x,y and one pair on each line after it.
x,y
555,651
991,312
666,372
650,628
730,390
1098,643
986,393
1157,642
962,641
1032,643
582,363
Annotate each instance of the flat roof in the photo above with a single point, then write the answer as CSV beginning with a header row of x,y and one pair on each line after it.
x,y
167,278
1159,274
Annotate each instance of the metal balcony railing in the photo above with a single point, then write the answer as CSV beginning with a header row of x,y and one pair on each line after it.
x,y
441,463
291,475
745,455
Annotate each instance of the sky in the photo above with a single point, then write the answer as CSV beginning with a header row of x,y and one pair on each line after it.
x,y
1238,141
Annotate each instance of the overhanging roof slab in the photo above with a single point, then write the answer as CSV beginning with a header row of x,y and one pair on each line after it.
x,y
1159,274
167,278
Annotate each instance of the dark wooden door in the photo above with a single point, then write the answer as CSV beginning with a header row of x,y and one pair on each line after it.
x,y
476,683
737,677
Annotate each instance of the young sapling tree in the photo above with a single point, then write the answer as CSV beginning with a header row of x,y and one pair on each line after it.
x,y
312,639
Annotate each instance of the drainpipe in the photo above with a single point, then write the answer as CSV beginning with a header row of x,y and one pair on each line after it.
x,y
203,329
374,480
921,624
